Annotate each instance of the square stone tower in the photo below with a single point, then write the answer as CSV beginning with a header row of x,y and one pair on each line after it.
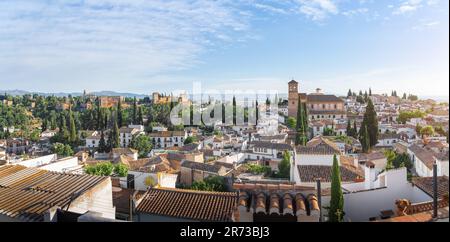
x,y
293,99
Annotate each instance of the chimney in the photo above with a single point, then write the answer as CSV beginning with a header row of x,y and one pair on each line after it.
x,y
369,175
318,91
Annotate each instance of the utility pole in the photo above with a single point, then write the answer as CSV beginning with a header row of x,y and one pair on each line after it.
x,y
319,198
435,191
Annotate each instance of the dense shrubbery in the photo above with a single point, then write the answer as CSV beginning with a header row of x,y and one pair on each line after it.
x,y
211,183
107,169
258,169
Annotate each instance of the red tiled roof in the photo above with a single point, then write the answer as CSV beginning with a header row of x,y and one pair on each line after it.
x,y
426,184
309,173
189,204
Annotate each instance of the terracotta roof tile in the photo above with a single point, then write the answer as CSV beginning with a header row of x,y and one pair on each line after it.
x,y
426,185
309,173
188,204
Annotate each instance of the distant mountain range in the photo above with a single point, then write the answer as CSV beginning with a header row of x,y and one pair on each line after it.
x,y
62,94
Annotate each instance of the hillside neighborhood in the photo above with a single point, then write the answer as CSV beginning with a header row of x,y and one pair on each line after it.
x,y
309,157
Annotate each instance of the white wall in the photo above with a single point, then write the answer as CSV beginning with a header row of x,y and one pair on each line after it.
x,y
165,180
43,160
362,205
443,168
320,160
98,199
62,165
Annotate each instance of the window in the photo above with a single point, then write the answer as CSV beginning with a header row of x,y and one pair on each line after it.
x,y
323,106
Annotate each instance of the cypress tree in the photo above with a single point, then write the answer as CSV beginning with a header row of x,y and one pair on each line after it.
x,y
105,126
349,94
355,130
223,114
141,117
73,132
305,120
336,211
120,113
44,124
349,128
134,111
370,91
63,132
302,123
234,110
102,144
364,138
116,136
371,121
257,112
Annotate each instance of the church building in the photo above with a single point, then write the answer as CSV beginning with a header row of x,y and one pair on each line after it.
x,y
320,106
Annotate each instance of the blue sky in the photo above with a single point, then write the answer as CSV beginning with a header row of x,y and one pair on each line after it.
x,y
147,45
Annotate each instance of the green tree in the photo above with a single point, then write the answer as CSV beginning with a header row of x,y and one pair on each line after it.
x,y
390,156
102,148
371,121
121,170
259,169
140,120
234,110
73,137
427,131
211,183
302,125
114,137
100,169
284,167
62,150
142,144
406,116
355,130
257,111
364,138
336,211
135,111
291,122
120,119
190,140
349,94
349,128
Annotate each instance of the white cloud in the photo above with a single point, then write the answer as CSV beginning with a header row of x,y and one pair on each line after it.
x,y
318,9
100,40
408,7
